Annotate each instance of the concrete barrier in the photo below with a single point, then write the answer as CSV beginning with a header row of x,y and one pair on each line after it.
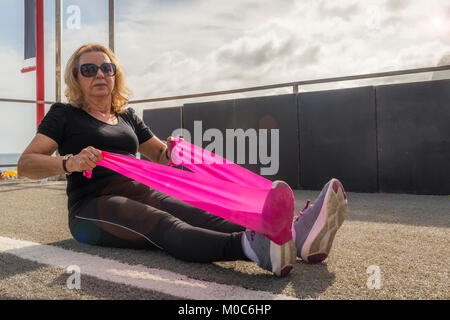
x,y
390,138
338,138
414,137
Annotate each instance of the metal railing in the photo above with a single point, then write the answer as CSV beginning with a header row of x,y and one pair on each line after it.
x,y
8,165
295,85
25,101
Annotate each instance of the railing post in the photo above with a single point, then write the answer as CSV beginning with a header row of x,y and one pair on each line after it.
x,y
111,24
58,32
295,89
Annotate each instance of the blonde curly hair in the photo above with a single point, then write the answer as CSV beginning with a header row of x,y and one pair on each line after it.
x,y
120,93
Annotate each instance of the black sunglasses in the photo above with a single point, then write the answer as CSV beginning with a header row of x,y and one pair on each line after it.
x,y
90,70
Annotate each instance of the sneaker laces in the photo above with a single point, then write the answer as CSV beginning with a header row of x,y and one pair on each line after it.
x,y
301,211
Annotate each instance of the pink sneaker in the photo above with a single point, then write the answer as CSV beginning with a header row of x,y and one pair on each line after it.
x,y
314,229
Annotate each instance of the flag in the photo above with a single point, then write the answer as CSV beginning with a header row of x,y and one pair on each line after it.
x,y
34,50
30,29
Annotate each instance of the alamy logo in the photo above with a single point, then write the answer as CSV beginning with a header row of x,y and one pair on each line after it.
x,y
374,280
74,20
258,141
74,280
373,17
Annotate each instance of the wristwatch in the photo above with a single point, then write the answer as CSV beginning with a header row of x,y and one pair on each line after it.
x,y
64,160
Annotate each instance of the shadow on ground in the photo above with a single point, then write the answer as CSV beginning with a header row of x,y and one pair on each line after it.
x,y
11,186
17,274
305,281
407,209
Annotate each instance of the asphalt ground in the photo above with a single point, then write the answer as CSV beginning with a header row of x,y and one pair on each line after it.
x,y
404,237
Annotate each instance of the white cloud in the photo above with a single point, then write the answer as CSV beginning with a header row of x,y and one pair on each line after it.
x,y
272,43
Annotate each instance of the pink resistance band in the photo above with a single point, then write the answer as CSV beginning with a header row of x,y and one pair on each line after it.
x,y
215,185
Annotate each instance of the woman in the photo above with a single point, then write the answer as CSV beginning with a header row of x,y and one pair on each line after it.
x,y
112,210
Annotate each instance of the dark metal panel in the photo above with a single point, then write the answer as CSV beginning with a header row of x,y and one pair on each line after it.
x,y
163,121
203,116
414,137
250,115
281,152
338,138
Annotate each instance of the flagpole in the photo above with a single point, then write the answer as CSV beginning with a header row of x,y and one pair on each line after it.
x,y
40,71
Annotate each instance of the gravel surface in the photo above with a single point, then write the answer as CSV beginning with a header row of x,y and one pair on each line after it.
x,y
406,238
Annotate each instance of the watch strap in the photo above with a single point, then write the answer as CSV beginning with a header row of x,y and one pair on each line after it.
x,y
64,160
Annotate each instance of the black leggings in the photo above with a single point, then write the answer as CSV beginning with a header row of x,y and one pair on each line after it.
x,y
129,214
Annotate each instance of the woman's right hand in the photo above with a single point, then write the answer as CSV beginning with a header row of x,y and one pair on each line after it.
x,y
86,160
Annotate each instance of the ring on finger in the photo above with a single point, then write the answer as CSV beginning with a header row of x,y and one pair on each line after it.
x,y
91,156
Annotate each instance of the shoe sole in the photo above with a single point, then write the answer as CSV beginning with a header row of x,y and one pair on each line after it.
x,y
318,244
278,213
283,258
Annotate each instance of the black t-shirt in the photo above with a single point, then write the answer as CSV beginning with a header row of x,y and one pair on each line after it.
x,y
74,129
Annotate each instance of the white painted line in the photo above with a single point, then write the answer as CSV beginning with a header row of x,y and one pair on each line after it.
x,y
139,276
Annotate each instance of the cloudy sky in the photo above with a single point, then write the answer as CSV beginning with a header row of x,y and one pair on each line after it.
x,y
175,47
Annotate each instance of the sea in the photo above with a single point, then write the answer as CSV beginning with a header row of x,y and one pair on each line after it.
x,y
9,158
